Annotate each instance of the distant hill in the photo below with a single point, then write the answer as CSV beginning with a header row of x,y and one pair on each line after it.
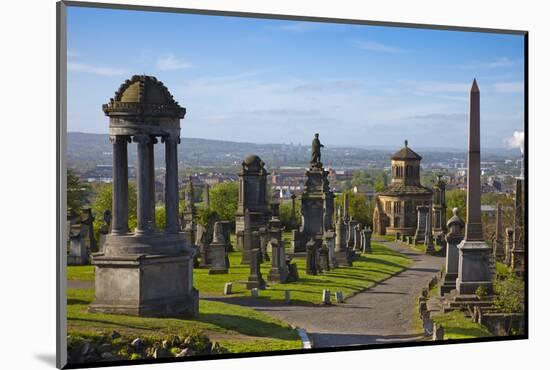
x,y
85,151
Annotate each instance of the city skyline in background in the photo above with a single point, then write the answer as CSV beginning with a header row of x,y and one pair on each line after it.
x,y
277,81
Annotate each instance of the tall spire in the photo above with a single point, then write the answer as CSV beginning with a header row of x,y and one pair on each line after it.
x,y
473,213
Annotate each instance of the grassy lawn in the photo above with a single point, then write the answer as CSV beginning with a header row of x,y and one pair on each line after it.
x,y
457,326
390,238
365,272
239,329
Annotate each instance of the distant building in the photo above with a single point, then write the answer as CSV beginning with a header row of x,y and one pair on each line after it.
x,y
395,210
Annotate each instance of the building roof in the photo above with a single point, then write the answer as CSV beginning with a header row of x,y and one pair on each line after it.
x,y
406,153
399,189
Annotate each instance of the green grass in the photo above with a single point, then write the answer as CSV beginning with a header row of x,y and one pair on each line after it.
x,y
239,329
366,271
86,272
390,238
458,326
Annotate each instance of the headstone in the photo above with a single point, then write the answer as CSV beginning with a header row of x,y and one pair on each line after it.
x,y
367,245
326,296
254,293
428,238
255,279
439,207
293,222
324,264
509,245
228,289
438,332
77,253
341,252
217,252
498,241
453,238
329,239
104,229
421,224
517,262
264,239
474,253
202,244
226,231
253,208
311,257
279,269
298,244
339,296
87,229
292,270
357,237
287,296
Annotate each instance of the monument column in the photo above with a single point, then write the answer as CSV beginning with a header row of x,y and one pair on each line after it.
x,y
473,205
120,184
143,175
152,187
171,196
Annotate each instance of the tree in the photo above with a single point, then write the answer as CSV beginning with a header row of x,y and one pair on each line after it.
x,y
361,177
456,198
104,200
285,211
360,208
224,199
77,191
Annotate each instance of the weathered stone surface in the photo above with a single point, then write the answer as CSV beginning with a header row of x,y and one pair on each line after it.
x,y
255,279
453,238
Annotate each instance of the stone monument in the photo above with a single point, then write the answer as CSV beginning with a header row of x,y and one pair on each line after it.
x,y
146,272
341,252
439,209
498,240
317,201
474,253
428,238
255,279
279,269
509,245
104,229
311,257
253,208
420,235
218,252
453,237
293,221
517,261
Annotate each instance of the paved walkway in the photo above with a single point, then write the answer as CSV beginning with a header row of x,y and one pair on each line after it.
x,y
381,314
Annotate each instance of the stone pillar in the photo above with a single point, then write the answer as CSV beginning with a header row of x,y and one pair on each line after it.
x,y
311,257
367,247
171,196
255,279
474,254
120,185
428,238
206,200
453,237
152,180
509,245
293,222
517,261
143,177
498,247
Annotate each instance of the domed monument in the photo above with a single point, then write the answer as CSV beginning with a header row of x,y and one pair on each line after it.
x,y
397,207
146,271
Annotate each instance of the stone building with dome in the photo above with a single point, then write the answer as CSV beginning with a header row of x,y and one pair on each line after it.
x,y
396,207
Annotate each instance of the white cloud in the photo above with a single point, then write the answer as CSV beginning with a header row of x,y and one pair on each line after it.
x,y
298,27
377,47
171,63
497,63
516,140
508,87
96,70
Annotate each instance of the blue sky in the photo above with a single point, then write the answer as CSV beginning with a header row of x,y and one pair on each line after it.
x,y
277,81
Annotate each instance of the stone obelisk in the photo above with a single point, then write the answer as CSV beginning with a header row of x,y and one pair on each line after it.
x,y
474,253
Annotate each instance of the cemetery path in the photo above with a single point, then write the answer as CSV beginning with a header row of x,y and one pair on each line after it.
x,y
381,314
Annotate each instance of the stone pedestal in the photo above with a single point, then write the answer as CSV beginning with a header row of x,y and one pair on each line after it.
x,y
279,270
255,279
218,252
145,285
298,244
473,267
453,238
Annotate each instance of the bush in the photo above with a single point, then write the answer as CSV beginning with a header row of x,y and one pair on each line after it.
x,y
224,199
510,293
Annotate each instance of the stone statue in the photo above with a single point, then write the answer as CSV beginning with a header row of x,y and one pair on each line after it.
x,y
316,150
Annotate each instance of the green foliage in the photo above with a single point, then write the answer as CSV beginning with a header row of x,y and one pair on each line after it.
x,y
361,177
160,217
205,216
104,200
510,293
285,211
224,198
360,208
379,185
481,291
458,326
77,191
456,198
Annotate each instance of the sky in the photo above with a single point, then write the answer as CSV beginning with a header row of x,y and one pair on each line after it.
x,y
279,81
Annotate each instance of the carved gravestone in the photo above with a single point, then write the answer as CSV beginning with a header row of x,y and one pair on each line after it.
x,y
279,269
311,257
217,252
420,234
324,264
329,240
367,233
104,229
255,279
341,251
292,270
